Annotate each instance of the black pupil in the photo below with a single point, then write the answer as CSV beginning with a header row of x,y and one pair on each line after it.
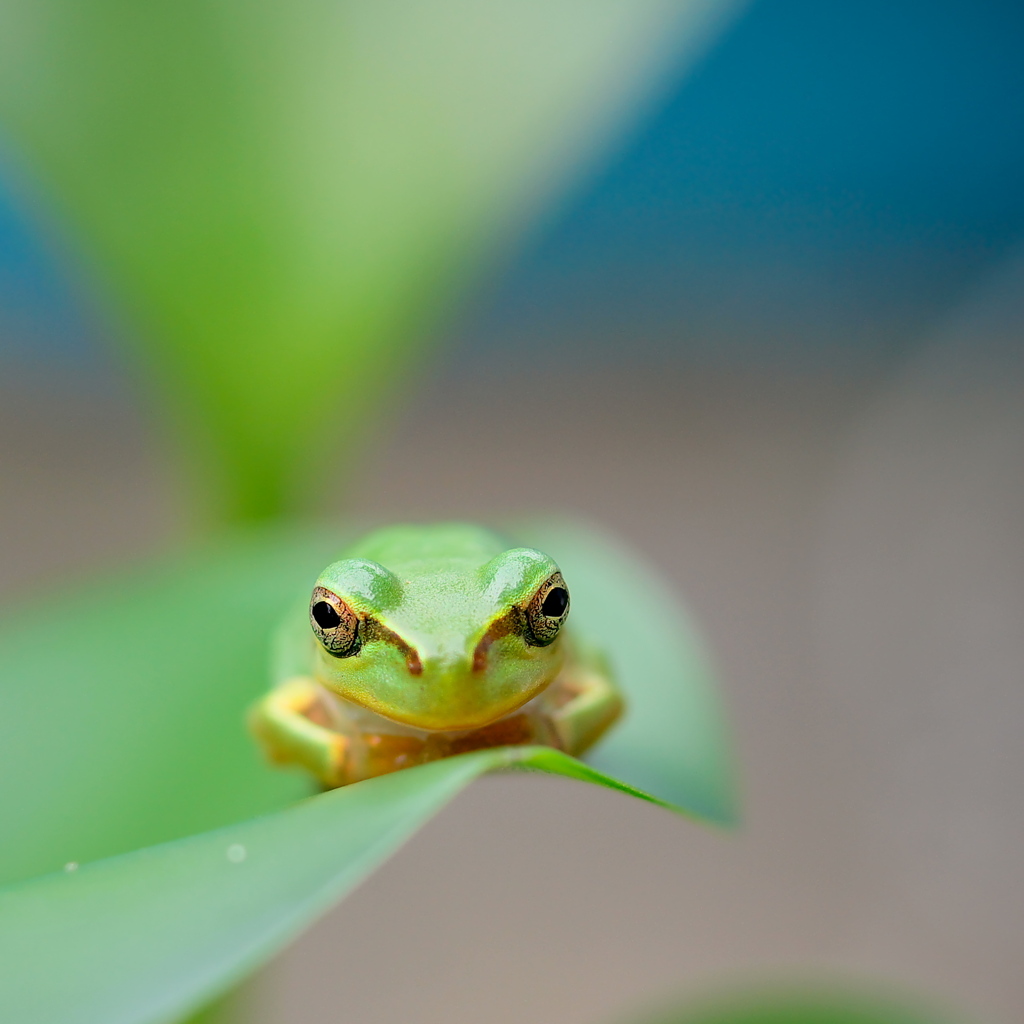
x,y
555,603
325,616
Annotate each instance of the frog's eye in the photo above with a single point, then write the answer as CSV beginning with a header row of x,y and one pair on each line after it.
x,y
546,612
335,624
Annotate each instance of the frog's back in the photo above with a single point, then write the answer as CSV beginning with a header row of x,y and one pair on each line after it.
x,y
415,548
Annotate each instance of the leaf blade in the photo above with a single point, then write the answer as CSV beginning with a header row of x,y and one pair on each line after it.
x,y
125,726
148,936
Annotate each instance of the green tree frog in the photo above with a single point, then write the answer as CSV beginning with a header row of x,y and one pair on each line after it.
x,y
427,641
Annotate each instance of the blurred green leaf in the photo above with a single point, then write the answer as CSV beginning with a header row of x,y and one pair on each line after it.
x,y
121,726
285,196
151,935
121,703
808,1002
673,740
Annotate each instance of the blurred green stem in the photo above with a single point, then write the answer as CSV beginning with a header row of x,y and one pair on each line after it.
x,y
284,198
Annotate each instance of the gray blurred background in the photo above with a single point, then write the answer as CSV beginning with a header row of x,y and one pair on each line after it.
x,y
777,345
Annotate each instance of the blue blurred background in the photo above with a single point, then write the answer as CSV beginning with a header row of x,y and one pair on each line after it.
x,y
821,189
825,183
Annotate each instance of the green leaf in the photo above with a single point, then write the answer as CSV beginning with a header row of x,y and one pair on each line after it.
x,y
673,740
121,726
287,195
121,703
810,1002
153,934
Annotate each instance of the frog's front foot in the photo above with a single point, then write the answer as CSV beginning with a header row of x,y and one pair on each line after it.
x,y
291,725
587,705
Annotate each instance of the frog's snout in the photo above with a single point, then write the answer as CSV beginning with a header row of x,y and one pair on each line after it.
x,y
442,667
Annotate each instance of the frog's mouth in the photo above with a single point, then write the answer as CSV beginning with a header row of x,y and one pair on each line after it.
x,y
456,704
449,694
371,720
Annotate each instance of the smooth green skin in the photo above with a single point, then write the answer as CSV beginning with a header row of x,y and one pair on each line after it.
x,y
284,199
121,725
439,588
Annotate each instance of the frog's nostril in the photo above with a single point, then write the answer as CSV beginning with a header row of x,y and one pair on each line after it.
x,y
413,662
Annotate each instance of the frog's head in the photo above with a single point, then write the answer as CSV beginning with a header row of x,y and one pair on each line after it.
x,y
446,645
